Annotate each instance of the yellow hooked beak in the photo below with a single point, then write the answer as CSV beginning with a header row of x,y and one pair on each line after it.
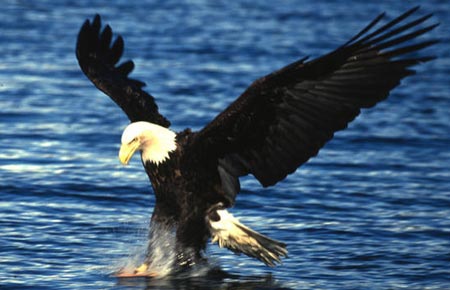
x,y
127,151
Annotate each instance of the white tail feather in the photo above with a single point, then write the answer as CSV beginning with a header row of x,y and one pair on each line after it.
x,y
232,234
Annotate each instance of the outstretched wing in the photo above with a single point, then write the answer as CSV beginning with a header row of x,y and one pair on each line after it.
x,y
284,118
99,61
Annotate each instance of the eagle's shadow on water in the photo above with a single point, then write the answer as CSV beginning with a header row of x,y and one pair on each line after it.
x,y
214,281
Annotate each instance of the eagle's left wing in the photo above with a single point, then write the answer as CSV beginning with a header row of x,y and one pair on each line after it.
x,y
284,118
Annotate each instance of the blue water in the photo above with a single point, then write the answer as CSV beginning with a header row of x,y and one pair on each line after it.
x,y
372,211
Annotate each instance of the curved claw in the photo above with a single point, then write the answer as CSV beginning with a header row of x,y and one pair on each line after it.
x,y
141,271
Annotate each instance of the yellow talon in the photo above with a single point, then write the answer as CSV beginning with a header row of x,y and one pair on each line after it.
x,y
141,269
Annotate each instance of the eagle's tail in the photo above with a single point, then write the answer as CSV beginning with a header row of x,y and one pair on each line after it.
x,y
230,233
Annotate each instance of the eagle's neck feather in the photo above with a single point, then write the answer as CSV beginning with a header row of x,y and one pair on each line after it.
x,y
156,143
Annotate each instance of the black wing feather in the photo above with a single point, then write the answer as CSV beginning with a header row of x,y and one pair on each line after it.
x,y
284,118
99,61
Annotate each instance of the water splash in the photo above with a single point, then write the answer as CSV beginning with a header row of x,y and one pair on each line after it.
x,y
161,258
162,251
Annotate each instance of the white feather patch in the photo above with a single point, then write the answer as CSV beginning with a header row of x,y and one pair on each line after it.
x,y
156,142
230,233
225,229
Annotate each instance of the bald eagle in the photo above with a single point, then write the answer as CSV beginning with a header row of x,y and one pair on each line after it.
x,y
278,123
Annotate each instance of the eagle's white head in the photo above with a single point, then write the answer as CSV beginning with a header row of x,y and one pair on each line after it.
x,y
155,142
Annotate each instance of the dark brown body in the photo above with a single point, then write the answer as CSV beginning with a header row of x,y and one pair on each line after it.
x,y
185,188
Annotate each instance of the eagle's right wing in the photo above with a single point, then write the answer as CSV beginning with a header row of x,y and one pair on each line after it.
x,y
98,59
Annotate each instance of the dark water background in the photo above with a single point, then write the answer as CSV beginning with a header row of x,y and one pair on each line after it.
x,y
372,211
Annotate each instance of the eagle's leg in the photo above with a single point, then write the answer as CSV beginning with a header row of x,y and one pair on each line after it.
x,y
191,238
